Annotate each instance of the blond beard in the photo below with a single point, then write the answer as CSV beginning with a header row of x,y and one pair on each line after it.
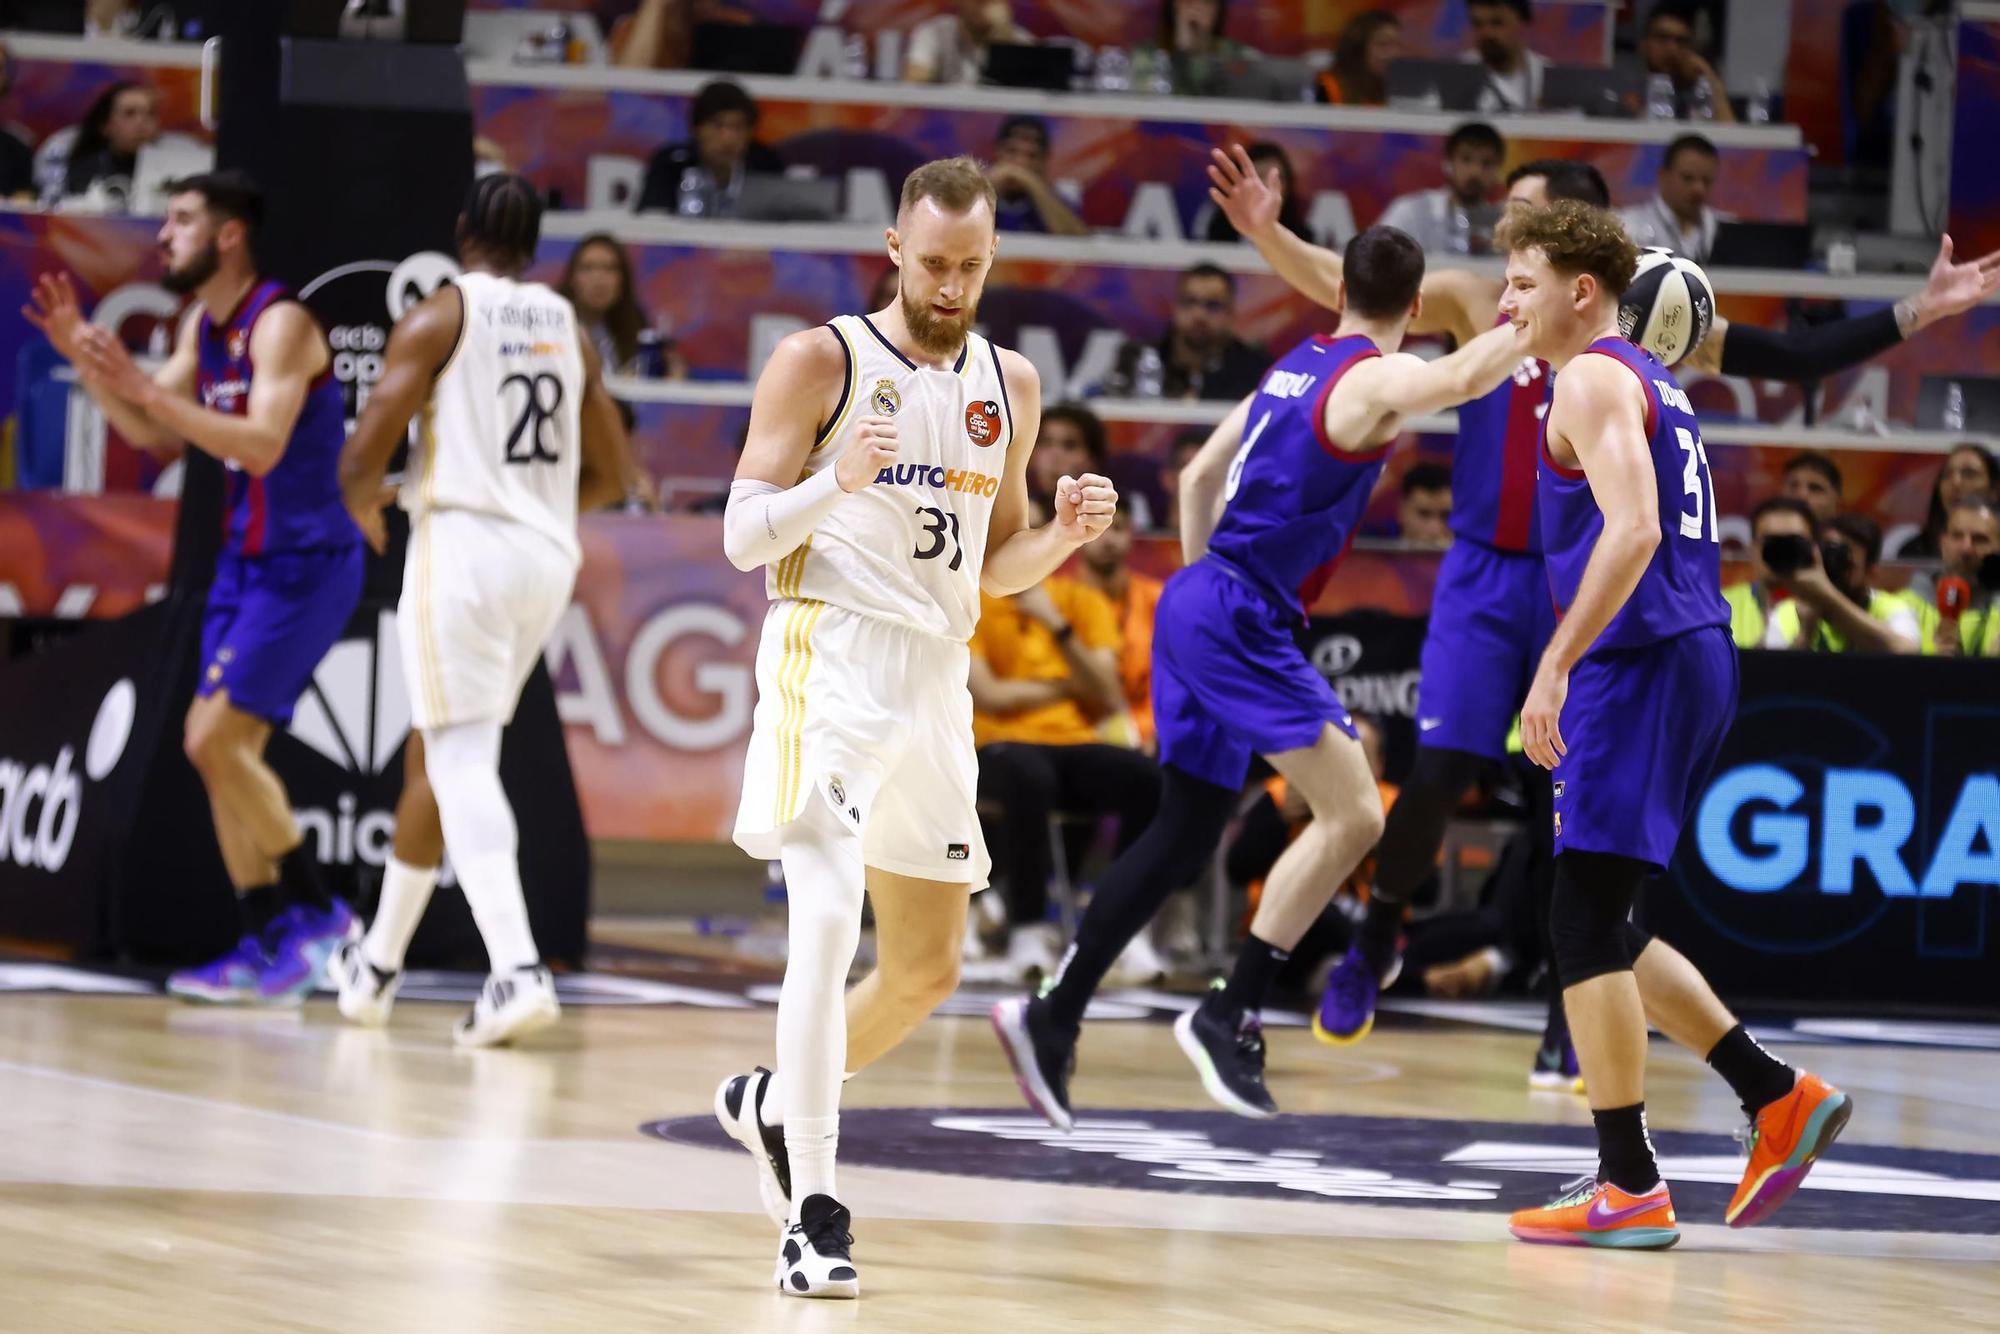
x,y
935,336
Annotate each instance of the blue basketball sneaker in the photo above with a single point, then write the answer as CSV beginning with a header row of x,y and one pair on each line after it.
x,y
1347,1006
300,941
233,979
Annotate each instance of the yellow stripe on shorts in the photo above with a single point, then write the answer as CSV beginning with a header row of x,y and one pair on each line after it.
x,y
793,671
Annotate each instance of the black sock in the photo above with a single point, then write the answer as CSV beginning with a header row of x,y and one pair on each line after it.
x,y
298,875
1758,1077
1380,930
1624,1153
1250,981
1179,842
257,906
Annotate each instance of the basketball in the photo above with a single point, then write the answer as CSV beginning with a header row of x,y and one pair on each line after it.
x,y
1670,306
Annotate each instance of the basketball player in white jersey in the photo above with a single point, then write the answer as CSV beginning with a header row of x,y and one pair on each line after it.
x,y
883,484
516,431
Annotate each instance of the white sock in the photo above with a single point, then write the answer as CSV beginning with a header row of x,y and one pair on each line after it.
x,y
463,761
824,882
406,890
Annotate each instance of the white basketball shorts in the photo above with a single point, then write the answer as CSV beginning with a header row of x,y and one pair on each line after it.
x,y
875,719
481,596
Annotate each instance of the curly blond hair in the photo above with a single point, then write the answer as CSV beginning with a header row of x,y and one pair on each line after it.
x,y
1576,238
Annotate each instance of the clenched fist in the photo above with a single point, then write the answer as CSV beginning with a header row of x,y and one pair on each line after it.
x,y
1084,506
874,449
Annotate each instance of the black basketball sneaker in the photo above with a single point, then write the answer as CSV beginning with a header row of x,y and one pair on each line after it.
x,y
1043,1057
1227,1048
739,1106
814,1259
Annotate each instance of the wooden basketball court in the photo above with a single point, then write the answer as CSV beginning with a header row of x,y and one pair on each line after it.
x,y
174,1168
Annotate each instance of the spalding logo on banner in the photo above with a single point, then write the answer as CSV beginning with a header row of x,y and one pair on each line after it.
x,y
358,307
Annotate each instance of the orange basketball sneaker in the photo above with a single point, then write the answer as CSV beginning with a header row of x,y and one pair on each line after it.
x,y
1786,1139
1596,1213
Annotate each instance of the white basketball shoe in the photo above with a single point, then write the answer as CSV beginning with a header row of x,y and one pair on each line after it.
x,y
510,1007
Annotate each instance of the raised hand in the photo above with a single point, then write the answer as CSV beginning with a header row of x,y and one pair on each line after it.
x,y
874,449
1084,506
54,310
1250,202
104,360
1955,288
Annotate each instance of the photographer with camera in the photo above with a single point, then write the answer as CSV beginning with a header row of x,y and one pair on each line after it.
x,y
1967,593
1751,602
1833,609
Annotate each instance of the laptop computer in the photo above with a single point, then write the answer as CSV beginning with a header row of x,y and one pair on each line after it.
x,y
1978,402
1263,79
1449,85
769,197
747,48
1021,65
1762,245
1593,90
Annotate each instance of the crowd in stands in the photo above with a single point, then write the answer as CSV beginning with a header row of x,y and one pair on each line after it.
x,y
1061,672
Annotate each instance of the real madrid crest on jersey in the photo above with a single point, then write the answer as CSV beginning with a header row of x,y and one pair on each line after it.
x,y
982,422
886,399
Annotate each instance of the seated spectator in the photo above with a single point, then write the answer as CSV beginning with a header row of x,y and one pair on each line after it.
x,y
17,159
659,34
1044,673
1969,471
1425,512
134,20
1020,176
1678,216
598,282
1971,541
1368,45
1814,478
1269,159
124,119
1751,600
1666,46
1458,217
1105,565
1834,608
1186,445
704,177
1071,442
952,48
1191,57
1199,356
1500,42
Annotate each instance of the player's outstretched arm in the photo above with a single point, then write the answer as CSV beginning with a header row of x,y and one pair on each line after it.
x,y
771,508
1251,203
1828,349
1202,479
288,349
1405,385
1017,556
419,346
607,471
1597,414
54,310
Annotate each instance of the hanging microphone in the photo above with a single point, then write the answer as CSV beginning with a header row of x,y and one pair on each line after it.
x,y
1952,595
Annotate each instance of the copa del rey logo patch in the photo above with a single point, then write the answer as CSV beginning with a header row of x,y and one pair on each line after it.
x,y
982,422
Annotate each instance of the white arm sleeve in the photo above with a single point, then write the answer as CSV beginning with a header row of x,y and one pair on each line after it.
x,y
763,522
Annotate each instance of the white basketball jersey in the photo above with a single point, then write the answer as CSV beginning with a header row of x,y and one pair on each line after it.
x,y
501,432
908,547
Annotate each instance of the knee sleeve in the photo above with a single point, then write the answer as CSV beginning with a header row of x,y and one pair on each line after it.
x,y
1414,829
1590,914
1192,815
